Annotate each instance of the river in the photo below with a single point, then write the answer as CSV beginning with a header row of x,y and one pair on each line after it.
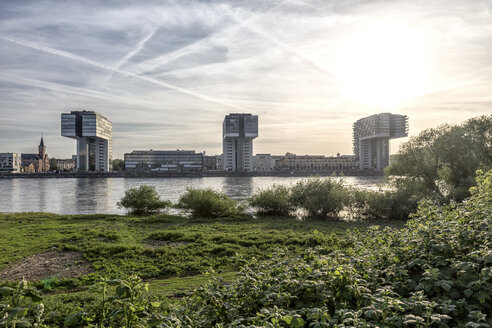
x,y
89,195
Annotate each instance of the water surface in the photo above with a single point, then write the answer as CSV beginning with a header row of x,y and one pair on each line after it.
x,y
100,195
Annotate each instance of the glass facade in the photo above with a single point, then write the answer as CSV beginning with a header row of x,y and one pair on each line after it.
x,y
164,161
94,134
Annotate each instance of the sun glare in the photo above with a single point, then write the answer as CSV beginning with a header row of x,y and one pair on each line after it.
x,y
383,65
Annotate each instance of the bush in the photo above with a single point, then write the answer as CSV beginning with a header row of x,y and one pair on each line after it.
x,y
435,272
272,201
208,203
142,200
319,197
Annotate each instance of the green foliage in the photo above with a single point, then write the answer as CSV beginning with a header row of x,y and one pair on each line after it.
x,y
118,165
444,159
396,204
142,200
210,204
129,306
272,201
435,272
319,197
21,306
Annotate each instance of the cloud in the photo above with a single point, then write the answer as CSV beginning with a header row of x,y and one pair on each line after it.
x,y
166,72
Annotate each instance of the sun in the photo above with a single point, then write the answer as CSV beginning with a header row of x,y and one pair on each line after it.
x,y
383,64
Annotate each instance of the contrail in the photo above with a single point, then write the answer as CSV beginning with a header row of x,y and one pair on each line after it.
x,y
140,45
282,45
159,61
119,71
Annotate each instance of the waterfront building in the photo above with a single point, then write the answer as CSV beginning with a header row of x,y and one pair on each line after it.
x,y
210,163
94,135
264,162
39,162
163,161
317,163
68,164
371,136
238,131
10,162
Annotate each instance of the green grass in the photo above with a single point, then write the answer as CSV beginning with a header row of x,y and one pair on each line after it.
x,y
172,253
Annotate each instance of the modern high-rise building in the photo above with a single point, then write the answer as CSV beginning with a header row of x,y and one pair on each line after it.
x,y
372,135
94,134
10,162
238,132
179,161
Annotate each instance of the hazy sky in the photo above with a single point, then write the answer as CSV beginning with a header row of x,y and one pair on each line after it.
x,y
166,73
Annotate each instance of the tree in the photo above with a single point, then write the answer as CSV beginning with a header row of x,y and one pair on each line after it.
x,y
142,200
53,165
445,159
208,203
118,165
319,197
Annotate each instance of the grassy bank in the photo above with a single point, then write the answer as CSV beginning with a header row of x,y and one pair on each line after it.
x,y
153,247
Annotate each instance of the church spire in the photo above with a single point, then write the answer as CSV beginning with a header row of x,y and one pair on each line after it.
x,y
41,144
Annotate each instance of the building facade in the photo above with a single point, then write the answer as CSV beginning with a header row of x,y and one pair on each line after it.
x,y
238,131
10,163
210,163
178,161
371,136
316,163
68,164
39,162
94,135
264,162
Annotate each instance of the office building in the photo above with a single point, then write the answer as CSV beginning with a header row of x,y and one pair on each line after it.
x,y
39,162
316,163
10,163
178,161
238,132
94,135
210,163
264,162
371,136
68,164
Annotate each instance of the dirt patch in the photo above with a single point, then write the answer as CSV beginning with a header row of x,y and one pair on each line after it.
x,y
154,244
46,265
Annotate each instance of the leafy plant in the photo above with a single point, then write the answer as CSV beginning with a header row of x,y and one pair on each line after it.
x,y
208,203
21,306
319,197
272,201
142,200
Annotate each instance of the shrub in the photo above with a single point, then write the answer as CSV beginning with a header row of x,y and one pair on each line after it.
x,y
208,203
435,272
272,201
319,197
142,200
397,203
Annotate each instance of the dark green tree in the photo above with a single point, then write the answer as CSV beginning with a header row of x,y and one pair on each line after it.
x,y
142,200
444,159
118,165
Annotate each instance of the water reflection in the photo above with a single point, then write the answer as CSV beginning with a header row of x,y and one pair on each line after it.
x,y
85,196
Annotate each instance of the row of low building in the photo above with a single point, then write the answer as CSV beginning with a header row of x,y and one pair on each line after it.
x,y
33,163
181,161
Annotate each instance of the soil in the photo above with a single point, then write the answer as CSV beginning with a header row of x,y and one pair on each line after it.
x,y
49,264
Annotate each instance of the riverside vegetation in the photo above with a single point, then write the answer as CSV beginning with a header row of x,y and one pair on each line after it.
x,y
435,270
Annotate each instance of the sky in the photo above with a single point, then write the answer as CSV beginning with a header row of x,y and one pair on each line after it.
x,y
167,72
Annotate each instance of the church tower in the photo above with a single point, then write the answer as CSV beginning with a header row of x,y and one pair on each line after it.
x,y
42,149
43,158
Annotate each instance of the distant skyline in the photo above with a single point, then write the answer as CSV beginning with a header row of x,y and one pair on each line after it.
x,y
167,72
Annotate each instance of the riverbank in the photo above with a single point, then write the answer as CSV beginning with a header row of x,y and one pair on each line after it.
x,y
76,250
123,174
